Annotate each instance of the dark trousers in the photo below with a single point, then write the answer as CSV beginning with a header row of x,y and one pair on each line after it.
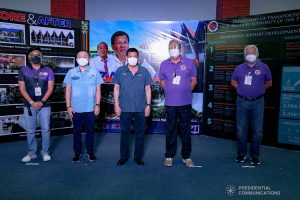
x,y
87,119
183,113
139,128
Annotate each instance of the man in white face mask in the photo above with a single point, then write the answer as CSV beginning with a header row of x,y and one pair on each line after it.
x,y
132,96
178,78
83,94
250,80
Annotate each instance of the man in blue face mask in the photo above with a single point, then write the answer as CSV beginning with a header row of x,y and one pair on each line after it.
x,y
250,79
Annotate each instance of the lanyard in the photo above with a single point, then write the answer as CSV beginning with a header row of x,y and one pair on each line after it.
x,y
36,76
174,68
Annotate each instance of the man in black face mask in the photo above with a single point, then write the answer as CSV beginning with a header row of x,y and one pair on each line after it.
x,y
36,83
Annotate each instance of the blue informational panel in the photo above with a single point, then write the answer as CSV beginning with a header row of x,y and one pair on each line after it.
x,y
289,131
289,105
291,79
289,122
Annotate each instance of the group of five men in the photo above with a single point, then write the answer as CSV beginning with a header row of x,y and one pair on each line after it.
x,y
132,99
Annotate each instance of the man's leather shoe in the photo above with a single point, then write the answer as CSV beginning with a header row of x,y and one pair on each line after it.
x,y
139,161
122,161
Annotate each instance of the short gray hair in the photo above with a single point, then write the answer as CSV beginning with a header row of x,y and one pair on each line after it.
x,y
178,42
252,46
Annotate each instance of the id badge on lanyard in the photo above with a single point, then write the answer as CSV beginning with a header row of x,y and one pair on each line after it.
x,y
248,79
37,89
176,80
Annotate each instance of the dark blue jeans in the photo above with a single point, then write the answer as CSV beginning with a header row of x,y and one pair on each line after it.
x,y
249,111
87,119
183,113
139,128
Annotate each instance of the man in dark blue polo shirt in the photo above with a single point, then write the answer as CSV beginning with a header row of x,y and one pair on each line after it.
x,y
36,83
250,79
132,96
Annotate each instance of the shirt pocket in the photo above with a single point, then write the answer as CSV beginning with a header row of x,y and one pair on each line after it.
x,y
92,80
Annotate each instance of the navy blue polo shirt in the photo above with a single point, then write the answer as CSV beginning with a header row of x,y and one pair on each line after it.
x,y
132,88
34,78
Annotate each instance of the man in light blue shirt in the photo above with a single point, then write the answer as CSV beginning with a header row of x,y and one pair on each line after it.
x,y
83,94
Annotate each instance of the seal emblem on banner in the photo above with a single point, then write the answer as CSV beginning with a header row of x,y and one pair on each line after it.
x,y
213,26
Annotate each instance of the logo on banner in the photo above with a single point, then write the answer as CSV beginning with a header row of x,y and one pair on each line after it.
x,y
84,26
213,26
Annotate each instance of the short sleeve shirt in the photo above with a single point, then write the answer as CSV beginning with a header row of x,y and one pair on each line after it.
x,y
34,79
84,85
179,94
251,80
132,88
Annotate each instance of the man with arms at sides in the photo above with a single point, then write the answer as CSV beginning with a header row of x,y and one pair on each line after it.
x,y
250,79
132,96
36,83
83,94
178,79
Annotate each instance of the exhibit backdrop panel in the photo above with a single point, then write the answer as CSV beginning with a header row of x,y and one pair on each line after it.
x,y
277,37
59,39
151,38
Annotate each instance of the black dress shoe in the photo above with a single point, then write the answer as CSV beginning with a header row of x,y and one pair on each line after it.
x,y
139,161
76,158
122,161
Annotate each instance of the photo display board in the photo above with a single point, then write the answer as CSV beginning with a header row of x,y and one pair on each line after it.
x,y
277,37
59,39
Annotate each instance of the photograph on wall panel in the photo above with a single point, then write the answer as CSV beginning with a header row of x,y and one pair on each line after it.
x,y
11,63
11,109
12,33
9,78
59,64
15,124
10,94
58,93
54,37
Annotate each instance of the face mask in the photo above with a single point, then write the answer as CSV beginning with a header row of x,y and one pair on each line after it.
x,y
132,61
36,59
82,62
174,53
251,58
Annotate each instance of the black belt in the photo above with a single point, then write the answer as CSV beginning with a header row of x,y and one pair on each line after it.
x,y
251,99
